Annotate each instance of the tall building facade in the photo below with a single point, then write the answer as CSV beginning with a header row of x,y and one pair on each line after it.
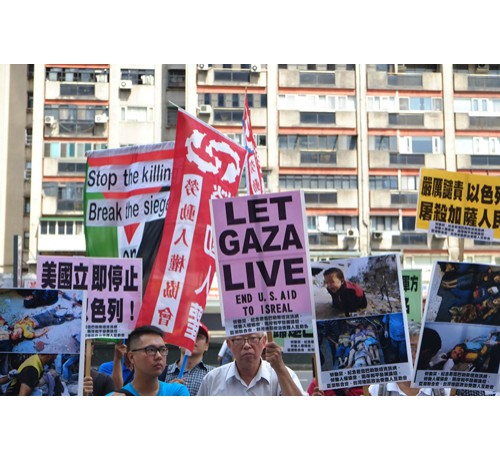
x,y
353,137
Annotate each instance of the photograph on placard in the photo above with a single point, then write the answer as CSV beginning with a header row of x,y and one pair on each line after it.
x,y
40,320
361,332
464,293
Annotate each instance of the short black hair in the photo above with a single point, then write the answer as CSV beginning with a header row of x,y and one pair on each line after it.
x,y
335,271
138,332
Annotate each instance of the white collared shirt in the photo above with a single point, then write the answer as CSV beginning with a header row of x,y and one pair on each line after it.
x,y
226,381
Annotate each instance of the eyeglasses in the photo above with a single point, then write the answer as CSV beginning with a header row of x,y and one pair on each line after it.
x,y
152,350
239,341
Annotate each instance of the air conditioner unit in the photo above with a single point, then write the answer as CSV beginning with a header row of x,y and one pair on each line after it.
x,y
352,233
377,235
205,108
103,118
440,236
49,120
255,67
27,174
482,68
125,84
203,66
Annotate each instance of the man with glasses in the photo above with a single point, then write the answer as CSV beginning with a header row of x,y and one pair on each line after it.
x,y
249,374
147,352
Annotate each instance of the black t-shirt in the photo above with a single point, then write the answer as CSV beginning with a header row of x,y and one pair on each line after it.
x,y
29,376
102,383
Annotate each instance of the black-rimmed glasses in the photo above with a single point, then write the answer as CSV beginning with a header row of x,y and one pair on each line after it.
x,y
152,350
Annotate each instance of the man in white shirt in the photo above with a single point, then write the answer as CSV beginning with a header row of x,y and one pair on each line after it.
x,y
249,374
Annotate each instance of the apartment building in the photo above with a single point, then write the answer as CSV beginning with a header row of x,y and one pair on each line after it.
x,y
353,137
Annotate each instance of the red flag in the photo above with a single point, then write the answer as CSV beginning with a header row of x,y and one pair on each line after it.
x,y
255,181
207,165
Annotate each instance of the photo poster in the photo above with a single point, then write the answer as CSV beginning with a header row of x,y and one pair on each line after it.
x,y
412,287
459,204
459,345
113,286
45,322
356,302
262,253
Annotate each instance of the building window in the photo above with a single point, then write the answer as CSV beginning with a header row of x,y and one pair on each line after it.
x,y
341,223
232,100
139,76
228,116
176,78
70,149
28,136
312,223
408,223
75,119
30,101
320,198
317,118
73,168
70,197
61,227
317,79
232,76
76,75
318,182
138,114
384,223
410,183
383,183
383,143
77,90
310,157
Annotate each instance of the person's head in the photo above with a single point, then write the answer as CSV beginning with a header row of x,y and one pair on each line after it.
x,y
16,334
147,350
247,348
414,333
496,300
47,358
430,345
458,352
202,341
334,278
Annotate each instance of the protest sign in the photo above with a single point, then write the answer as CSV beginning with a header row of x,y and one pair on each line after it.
x,y
207,165
41,327
361,328
459,204
412,287
459,345
263,262
125,200
295,341
113,285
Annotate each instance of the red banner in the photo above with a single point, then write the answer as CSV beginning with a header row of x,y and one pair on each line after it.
x,y
207,165
255,181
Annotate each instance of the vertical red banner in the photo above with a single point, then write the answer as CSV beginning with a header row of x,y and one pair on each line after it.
x,y
207,165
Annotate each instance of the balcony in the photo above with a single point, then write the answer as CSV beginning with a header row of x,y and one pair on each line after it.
x,y
344,79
